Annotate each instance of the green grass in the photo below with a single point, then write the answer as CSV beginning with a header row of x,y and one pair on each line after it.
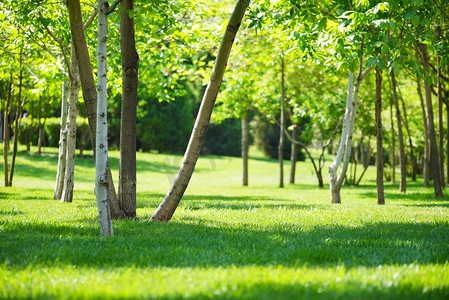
x,y
225,241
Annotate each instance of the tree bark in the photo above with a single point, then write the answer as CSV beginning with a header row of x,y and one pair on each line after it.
x,y
379,139
70,132
426,167
20,103
440,123
6,132
245,147
62,142
393,146
403,182
101,151
89,89
294,155
412,153
40,128
282,125
433,143
130,67
168,206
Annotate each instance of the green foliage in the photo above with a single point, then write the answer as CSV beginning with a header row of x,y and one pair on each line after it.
x,y
224,138
225,241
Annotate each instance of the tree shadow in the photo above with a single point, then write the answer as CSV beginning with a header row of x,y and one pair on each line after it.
x,y
196,242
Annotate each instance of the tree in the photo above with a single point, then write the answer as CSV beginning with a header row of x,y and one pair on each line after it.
x,y
168,206
379,153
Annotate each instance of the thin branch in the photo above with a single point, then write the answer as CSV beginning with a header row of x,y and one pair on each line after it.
x,y
91,19
436,71
442,11
113,6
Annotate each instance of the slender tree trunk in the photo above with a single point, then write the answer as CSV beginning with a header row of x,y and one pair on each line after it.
x,y
379,139
89,89
294,154
70,132
39,121
62,142
6,132
130,67
433,143
30,127
101,153
393,146
282,125
245,147
20,103
412,153
426,167
168,206
403,182
440,123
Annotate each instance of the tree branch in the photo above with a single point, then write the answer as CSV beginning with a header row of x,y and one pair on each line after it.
x,y
91,19
113,6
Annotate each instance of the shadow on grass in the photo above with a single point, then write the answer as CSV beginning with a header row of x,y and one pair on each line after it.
x,y
194,242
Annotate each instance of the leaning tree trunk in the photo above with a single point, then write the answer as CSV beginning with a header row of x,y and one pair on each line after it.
x,y
89,89
6,132
433,142
440,122
62,142
168,206
16,125
101,151
379,154
426,167
130,67
245,147
403,182
294,155
282,125
70,132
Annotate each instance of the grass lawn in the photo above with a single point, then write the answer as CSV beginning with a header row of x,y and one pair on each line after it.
x,y
225,241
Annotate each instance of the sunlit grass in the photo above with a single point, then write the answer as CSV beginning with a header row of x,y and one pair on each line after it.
x,y
225,241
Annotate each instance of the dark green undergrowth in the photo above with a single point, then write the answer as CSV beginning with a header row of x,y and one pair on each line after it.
x,y
225,241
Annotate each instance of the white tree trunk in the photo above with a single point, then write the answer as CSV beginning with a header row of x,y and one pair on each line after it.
x,y
67,192
101,151
62,142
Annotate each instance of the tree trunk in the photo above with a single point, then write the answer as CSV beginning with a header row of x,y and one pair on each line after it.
x,y
282,125
245,147
16,125
70,132
379,139
101,153
62,142
440,123
30,127
130,67
393,146
426,167
294,155
344,152
6,132
433,143
88,88
412,153
168,206
403,182
40,128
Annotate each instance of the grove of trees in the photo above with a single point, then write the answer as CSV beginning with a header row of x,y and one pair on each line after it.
x,y
363,81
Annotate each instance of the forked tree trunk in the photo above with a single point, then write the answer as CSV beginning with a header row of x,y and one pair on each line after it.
x,y
130,67
62,142
20,103
426,167
433,142
6,132
403,182
70,131
245,147
294,155
168,206
282,126
89,89
101,153
393,146
379,139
